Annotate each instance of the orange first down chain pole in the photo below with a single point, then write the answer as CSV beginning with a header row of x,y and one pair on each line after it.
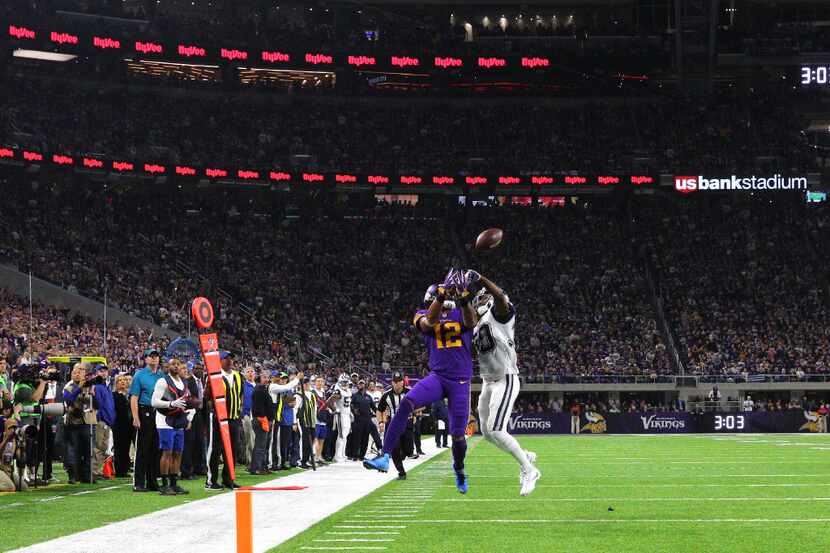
x,y
202,312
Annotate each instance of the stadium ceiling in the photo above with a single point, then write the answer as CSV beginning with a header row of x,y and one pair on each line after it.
x,y
503,3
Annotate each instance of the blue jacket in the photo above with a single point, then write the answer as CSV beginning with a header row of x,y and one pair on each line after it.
x,y
247,395
287,413
70,393
106,404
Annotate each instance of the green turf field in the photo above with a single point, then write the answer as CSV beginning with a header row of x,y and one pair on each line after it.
x,y
60,509
748,493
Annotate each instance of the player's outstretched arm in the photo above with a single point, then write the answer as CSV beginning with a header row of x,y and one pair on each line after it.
x,y
501,303
468,315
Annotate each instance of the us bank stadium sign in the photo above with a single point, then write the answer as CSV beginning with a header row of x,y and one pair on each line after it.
x,y
687,184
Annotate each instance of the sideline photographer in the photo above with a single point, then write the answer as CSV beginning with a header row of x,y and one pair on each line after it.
x,y
80,418
27,393
8,429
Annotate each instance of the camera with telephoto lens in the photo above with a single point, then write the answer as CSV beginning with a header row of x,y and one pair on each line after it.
x,y
93,380
48,409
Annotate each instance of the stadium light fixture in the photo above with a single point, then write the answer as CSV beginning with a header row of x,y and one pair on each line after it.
x,y
43,56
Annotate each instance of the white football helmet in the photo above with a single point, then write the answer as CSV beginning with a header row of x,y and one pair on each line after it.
x,y
343,381
483,302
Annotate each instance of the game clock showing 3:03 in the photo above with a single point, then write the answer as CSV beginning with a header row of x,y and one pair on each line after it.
x,y
717,422
815,75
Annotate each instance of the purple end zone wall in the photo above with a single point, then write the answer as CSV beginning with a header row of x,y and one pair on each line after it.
x,y
666,422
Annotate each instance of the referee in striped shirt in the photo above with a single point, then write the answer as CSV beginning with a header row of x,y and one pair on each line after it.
x,y
388,405
233,399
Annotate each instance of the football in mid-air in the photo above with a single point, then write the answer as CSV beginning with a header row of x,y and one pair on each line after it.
x,y
489,239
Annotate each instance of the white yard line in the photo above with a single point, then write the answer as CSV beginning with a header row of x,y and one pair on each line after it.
x,y
337,548
210,522
364,533
364,525
350,540
474,475
622,520
626,499
638,485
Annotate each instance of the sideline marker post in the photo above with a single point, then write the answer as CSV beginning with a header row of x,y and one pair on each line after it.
x,y
244,522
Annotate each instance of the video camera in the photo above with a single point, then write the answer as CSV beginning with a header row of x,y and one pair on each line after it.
x,y
30,374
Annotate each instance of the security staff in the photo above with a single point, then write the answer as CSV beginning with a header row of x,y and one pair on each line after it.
x,y
147,452
389,404
363,407
307,420
280,392
233,400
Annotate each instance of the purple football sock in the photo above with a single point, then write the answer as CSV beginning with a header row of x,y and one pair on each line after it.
x,y
397,426
459,451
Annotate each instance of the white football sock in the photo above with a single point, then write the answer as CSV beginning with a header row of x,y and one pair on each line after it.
x,y
508,443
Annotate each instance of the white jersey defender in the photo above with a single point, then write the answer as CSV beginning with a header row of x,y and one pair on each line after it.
x,y
494,338
342,416
496,348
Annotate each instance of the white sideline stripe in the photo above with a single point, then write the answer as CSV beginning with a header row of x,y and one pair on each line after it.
x,y
623,499
11,506
83,492
111,488
348,540
619,520
328,491
45,499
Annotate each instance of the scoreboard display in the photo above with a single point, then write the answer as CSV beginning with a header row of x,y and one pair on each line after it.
x,y
795,420
723,422
729,423
815,75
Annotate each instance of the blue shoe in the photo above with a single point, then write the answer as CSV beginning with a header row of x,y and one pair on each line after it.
x,y
379,463
461,482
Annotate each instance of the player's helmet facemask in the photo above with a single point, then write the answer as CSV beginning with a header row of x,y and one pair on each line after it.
x,y
344,381
432,295
483,302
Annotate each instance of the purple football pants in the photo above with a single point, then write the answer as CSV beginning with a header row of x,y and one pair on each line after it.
x,y
426,391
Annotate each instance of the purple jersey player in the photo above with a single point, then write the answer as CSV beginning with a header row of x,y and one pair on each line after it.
x,y
447,332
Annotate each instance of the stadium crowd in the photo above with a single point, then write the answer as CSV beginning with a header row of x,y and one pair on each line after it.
x,y
730,130
328,298
743,288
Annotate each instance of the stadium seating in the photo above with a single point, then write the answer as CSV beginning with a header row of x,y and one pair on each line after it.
x,y
731,131
339,286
